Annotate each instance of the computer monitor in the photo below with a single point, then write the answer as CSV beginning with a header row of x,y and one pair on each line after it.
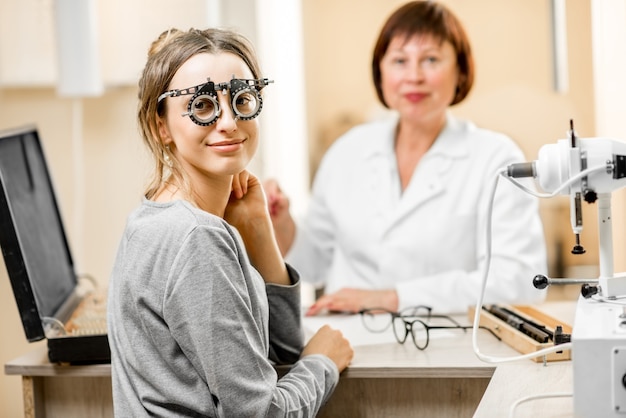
x,y
34,245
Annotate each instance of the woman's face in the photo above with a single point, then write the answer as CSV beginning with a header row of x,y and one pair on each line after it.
x,y
223,148
419,76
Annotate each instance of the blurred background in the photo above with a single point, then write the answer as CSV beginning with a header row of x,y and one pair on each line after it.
x,y
70,68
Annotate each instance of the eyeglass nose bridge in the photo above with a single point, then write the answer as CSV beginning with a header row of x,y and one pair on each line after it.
x,y
410,328
407,326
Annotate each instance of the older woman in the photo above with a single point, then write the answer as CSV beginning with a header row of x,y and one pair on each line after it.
x,y
399,207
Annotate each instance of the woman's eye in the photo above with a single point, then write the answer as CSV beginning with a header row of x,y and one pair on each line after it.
x,y
246,103
242,100
203,107
200,104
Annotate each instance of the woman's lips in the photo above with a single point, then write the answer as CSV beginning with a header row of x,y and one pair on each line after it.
x,y
415,97
228,146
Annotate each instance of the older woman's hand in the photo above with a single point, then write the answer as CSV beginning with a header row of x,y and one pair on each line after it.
x,y
353,300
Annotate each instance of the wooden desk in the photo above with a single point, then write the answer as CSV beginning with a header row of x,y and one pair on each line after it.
x,y
389,379
394,380
52,390
517,380
514,381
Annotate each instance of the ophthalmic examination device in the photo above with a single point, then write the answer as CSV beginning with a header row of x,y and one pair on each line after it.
x,y
589,170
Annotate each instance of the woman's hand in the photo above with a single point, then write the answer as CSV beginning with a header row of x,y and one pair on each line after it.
x,y
353,300
332,344
240,183
247,202
278,202
247,211
284,225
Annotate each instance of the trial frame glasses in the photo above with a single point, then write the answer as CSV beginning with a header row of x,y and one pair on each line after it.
x,y
204,108
410,322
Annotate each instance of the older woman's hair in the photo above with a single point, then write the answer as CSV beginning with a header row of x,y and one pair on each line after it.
x,y
165,56
426,18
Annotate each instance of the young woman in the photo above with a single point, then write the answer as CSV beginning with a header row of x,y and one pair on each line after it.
x,y
398,211
201,303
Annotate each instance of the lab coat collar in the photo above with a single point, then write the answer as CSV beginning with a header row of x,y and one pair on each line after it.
x,y
450,143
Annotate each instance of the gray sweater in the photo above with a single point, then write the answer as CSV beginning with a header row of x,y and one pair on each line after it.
x,y
195,331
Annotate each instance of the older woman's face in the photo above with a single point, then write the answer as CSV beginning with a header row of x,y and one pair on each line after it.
x,y
419,76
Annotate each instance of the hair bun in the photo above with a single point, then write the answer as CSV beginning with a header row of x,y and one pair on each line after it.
x,y
163,39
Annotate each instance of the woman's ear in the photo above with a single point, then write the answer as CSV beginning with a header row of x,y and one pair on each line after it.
x,y
164,132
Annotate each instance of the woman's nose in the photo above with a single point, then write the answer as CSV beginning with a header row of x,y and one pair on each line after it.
x,y
416,72
413,71
227,122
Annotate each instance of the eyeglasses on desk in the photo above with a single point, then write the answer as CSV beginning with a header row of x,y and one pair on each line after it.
x,y
417,321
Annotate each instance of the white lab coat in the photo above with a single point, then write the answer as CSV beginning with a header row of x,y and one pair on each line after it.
x,y
429,243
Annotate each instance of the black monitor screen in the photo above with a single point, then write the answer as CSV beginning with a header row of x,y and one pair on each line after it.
x,y
34,245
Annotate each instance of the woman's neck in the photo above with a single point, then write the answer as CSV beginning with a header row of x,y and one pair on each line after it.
x,y
209,195
418,135
413,140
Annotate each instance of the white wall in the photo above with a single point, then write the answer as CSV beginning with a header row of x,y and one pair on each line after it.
x,y
609,64
275,27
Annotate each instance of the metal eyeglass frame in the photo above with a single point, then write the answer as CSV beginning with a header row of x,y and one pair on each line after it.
x,y
208,91
410,321
410,311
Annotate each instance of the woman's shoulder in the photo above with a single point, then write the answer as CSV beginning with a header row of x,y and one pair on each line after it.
x,y
484,139
362,140
179,211
488,149
369,131
177,220
479,133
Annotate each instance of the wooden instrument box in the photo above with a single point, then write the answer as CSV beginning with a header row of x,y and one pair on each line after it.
x,y
522,328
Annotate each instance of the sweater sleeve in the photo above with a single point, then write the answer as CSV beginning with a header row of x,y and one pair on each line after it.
x,y
217,310
285,320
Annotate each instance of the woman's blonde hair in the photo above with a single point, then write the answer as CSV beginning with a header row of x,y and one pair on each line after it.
x,y
166,55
